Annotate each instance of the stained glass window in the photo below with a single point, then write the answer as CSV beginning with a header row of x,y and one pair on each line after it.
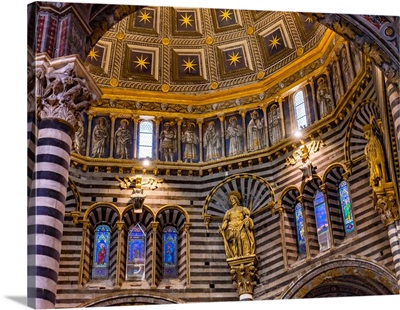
x,y
321,221
170,255
300,110
136,253
146,139
101,252
301,239
347,212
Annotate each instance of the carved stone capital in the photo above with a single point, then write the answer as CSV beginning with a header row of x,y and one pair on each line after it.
x,y
244,275
64,88
385,204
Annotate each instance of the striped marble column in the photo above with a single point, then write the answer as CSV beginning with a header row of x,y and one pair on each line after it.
x,y
67,92
395,248
46,211
394,102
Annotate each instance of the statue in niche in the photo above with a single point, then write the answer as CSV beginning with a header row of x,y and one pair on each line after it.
x,y
306,165
324,98
255,132
100,137
191,139
122,139
212,142
168,143
234,133
346,67
336,82
274,121
80,140
374,154
237,228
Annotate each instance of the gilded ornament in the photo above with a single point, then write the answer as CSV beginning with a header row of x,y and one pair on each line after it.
x,y
166,41
114,82
300,51
165,88
214,85
260,75
209,40
250,30
120,35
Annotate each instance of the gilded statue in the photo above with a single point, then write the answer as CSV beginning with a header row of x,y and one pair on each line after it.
x,y
375,155
237,229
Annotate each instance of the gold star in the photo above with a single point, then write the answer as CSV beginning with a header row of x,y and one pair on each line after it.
x,y
309,19
141,62
189,64
234,58
144,17
93,54
274,42
225,15
186,20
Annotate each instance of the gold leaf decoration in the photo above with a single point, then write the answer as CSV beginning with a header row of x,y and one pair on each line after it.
x,y
344,30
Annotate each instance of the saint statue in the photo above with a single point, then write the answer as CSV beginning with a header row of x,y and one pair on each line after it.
x,y
324,98
212,142
255,133
122,139
191,139
100,137
168,143
234,133
237,229
375,155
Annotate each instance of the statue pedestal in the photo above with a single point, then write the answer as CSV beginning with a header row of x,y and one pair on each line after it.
x,y
244,274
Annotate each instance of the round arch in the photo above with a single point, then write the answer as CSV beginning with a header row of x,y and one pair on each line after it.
x,y
377,279
100,204
130,299
173,207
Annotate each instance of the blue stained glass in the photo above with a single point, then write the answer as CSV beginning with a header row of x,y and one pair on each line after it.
x,y
101,252
321,221
347,212
136,252
301,240
170,255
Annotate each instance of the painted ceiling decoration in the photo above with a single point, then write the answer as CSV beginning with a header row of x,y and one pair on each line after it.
x,y
192,50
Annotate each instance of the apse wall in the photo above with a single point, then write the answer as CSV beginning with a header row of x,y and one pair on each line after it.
x,y
203,271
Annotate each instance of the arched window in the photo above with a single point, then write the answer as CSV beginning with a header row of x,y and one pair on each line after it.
x,y
300,110
101,252
347,211
321,221
146,139
301,239
170,252
136,253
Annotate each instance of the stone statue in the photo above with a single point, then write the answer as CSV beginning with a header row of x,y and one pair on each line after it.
x,y
191,139
122,139
237,229
80,140
234,133
100,137
324,98
212,142
274,121
255,133
375,156
168,144
306,165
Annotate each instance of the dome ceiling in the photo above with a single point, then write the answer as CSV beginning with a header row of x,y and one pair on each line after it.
x,y
199,51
